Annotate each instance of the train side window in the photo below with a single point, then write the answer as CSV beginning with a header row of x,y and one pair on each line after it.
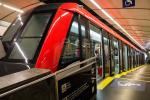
x,y
86,46
31,36
96,41
71,51
14,27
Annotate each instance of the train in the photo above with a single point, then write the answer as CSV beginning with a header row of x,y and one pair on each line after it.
x,y
54,36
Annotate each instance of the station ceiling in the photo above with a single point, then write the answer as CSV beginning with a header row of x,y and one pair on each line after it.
x,y
9,15
135,20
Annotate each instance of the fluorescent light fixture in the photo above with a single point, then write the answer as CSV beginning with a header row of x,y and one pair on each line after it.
x,y
0,4
13,8
115,22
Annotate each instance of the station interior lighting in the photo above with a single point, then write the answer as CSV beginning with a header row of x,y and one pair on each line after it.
x,y
12,8
114,21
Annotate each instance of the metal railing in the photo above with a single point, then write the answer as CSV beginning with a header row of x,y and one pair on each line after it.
x,y
25,82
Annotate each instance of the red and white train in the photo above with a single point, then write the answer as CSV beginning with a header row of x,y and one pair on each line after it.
x,y
53,36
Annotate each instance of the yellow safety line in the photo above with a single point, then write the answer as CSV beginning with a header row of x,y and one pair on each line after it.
x,y
104,83
108,80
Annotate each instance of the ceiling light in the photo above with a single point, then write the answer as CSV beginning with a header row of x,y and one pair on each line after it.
x,y
13,8
0,4
115,22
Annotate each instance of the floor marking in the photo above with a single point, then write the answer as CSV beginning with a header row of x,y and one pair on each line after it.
x,y
135,80
108,80
142,74
138,76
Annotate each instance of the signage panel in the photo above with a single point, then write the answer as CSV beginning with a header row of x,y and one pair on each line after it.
x,y
128,3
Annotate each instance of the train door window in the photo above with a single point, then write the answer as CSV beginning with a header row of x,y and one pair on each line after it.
x,y
120,56
86,46
125,57
112,60
135,59
106,53
132,58
95,35
138,59
129,57
116,55
71,51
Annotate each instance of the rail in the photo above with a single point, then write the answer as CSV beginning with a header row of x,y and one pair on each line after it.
x,y
71,82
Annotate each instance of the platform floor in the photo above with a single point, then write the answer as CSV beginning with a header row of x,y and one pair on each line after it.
x,y
135,85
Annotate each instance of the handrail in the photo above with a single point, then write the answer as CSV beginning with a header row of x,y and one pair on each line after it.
x,y
21,80
71,69
76,64
25,85
14,82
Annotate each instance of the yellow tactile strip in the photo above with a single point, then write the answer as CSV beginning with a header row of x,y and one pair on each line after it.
x,y
108,80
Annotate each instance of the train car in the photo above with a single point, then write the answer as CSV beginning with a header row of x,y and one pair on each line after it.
x,y
53,36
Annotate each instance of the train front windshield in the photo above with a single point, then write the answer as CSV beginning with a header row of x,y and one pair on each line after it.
x,y
23,39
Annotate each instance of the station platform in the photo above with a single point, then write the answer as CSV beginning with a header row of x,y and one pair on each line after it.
x,y
130,85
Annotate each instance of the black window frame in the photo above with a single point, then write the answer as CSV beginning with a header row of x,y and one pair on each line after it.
x,y
39,47
60,65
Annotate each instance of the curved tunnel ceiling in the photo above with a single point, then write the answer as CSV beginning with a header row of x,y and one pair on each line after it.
x,y
9,15
135,20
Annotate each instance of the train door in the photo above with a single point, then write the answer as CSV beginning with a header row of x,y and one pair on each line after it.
x,y
138,58
95,35
112,61
114,56
106,53
71,52
132,58
85,39
129,57
125,57
121,56
135,59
